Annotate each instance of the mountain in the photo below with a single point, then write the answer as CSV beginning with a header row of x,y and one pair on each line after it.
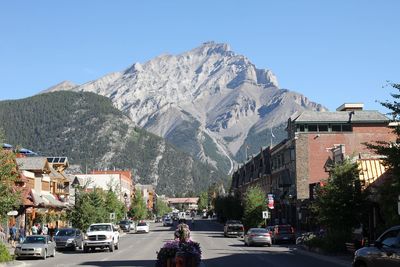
x,y
209,102
93,134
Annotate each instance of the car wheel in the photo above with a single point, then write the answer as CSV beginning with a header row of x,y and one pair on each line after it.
x,y
360,264
44,254
111,248
85,249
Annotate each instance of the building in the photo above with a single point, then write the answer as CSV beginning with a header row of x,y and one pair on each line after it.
x,y
119,181
302,161
46,190
148,193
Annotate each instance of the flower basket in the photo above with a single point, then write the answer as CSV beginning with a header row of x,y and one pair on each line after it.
x,y
181,252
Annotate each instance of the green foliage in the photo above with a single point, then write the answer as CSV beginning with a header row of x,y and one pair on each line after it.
x,y
254,205
138,208
114,205
94,207
389,191
4,253
162,207
203,201
228,207
340,200
9,198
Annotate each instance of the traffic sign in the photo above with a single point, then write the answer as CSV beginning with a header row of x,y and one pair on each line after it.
x,y
265,214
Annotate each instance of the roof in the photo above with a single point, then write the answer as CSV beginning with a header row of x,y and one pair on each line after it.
x,y
358,116
193,200
32,163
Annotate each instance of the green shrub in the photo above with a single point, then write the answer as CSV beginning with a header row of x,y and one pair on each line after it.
x,y
4,253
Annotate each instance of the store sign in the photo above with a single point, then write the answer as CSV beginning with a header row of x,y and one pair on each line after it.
x,y
271,201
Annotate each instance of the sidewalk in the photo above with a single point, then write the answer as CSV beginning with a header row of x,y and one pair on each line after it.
x,y
343,260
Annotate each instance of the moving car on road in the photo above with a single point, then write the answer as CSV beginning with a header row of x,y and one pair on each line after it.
x,y
36,246
101,235
142,227
384,253
257,236
233,228
283,233
168,221
69,238
127,225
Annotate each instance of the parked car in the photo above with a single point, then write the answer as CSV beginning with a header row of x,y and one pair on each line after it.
x,y
168,221
127,225
142,227
384,253
39,246
283,233
257,236
233,228
68,238
158,219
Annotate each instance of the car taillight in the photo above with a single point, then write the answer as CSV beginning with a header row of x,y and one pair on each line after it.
x,y
242,228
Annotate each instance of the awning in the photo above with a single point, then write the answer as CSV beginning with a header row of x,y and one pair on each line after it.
x,y
53,201
46,200
37,199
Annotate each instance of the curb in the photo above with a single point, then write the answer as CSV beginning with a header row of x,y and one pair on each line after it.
x,y
332,259
13,263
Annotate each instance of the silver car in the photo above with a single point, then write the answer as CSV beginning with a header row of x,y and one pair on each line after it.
x,y
257,236
39,246
384,253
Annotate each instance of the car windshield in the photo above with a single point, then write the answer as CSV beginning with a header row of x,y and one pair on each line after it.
x,y
100,227
35,239
65,232
124,222
234,222
142,224
259,231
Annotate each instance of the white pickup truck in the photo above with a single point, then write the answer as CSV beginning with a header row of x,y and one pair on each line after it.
x,y
101,235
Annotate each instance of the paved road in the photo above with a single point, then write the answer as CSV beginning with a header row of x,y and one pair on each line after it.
x,y
140,250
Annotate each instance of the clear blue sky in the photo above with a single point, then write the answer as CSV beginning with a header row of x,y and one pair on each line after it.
x,y
331,51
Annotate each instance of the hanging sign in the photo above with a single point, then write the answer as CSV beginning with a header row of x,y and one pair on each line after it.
x,y
271,201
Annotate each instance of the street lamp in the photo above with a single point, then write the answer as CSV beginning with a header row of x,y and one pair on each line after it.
x,y
126,204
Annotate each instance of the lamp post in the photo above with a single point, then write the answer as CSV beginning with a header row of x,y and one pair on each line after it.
x,y
126,204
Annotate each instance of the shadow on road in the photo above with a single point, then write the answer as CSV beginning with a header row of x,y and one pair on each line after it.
x,y
138,263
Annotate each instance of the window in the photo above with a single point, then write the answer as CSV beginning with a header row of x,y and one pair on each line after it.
x,y
312,128
300,128
336,128
346,128
322,128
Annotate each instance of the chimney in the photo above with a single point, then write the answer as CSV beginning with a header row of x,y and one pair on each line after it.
x,y
350,107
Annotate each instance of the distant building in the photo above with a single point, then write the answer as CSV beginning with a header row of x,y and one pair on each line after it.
x,y
148,193
119,181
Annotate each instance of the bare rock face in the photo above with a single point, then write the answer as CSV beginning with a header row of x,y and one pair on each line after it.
x,y
205,101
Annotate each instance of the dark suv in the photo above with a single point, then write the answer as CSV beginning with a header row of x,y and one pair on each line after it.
x,y
384,253
283,233
69,238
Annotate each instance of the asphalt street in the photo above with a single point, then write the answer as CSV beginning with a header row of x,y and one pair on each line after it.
x,y
217,250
